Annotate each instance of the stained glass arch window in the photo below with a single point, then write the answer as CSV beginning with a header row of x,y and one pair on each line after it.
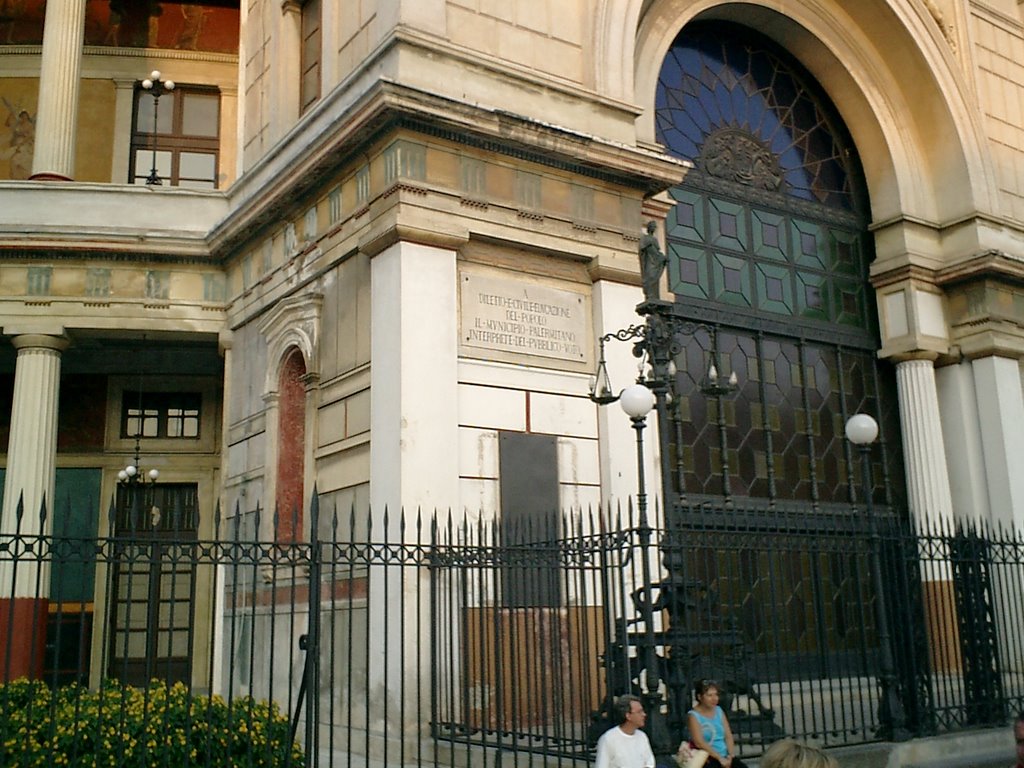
x,y
771,220
744,110
768,248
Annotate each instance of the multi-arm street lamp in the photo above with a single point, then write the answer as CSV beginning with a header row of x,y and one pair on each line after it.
x,y
656,342
157,88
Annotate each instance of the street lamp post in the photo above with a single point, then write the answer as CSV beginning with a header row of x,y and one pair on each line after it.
x,y
139,498
137,483
637,401
862,431
157,88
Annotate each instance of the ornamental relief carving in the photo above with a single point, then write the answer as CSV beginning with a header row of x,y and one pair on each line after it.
x,y
736,155
946,29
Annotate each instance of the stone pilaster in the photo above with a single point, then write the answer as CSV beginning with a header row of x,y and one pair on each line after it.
x,y
59,78
997,382
414,453
31,460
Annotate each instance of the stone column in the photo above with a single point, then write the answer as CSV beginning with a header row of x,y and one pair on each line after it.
x,y
287,52
31,460
930,498
961,429
1000,398
923,446
59,78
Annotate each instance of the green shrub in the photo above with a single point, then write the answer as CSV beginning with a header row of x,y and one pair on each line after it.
x,y
119,725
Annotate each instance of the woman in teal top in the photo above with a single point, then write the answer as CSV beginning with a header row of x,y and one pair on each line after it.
x,y
709,728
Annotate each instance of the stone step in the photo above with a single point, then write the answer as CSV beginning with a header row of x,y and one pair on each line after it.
x,y
992,748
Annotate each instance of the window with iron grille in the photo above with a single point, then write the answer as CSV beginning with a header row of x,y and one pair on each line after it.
x,y
184,148
768,246
168,415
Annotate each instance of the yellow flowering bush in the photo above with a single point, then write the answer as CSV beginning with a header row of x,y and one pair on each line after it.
x,y
120,725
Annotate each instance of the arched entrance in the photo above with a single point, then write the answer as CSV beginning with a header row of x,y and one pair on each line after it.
x,y
768,245
768,252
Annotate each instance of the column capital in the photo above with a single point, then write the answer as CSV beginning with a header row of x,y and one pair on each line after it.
x,y
918,355
225,342
40,341
912,320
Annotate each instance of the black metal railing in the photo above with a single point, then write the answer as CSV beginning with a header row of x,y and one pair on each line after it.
x,y
415,652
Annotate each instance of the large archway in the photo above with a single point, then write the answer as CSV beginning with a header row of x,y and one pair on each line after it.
x,y
768,245
905,102
769,250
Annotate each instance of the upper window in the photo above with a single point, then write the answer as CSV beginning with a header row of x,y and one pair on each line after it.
x,y
749,113
309,87
184,148
769,225
161,414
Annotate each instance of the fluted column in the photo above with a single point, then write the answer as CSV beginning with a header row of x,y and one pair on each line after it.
x,y
59,78
31,462
923,446
931,501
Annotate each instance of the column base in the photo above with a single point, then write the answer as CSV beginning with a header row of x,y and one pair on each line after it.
x,y
941,620
46,176
22,637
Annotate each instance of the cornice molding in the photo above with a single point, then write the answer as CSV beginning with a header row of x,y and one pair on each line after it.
x,y
399,232
903,273
334,132
990,264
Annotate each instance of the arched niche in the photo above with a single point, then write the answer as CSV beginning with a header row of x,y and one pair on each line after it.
x,y
291,331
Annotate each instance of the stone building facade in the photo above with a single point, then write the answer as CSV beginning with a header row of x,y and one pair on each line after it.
x,y
391,232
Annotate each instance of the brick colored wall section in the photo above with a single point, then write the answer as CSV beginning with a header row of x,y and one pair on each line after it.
x,y
82,413
291,447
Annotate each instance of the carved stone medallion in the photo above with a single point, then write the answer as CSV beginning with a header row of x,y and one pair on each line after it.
x,y
736,155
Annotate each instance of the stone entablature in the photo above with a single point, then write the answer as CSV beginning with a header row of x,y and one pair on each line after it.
x,y
985,300
972,309
434,190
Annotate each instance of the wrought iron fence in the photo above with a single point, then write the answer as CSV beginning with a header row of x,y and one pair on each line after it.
x,y
451,641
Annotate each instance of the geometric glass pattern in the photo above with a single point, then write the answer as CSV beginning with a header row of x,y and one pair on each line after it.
x,y
768,248
782,432
770,221
747,93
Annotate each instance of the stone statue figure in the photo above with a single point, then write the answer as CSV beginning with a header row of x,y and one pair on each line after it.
x,y
652,263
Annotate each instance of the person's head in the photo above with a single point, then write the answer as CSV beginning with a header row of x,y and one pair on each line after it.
x,y
651,226
631,712
792,754
706,692
1018,736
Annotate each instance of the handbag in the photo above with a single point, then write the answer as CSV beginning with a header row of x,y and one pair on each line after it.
x,y
689,756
